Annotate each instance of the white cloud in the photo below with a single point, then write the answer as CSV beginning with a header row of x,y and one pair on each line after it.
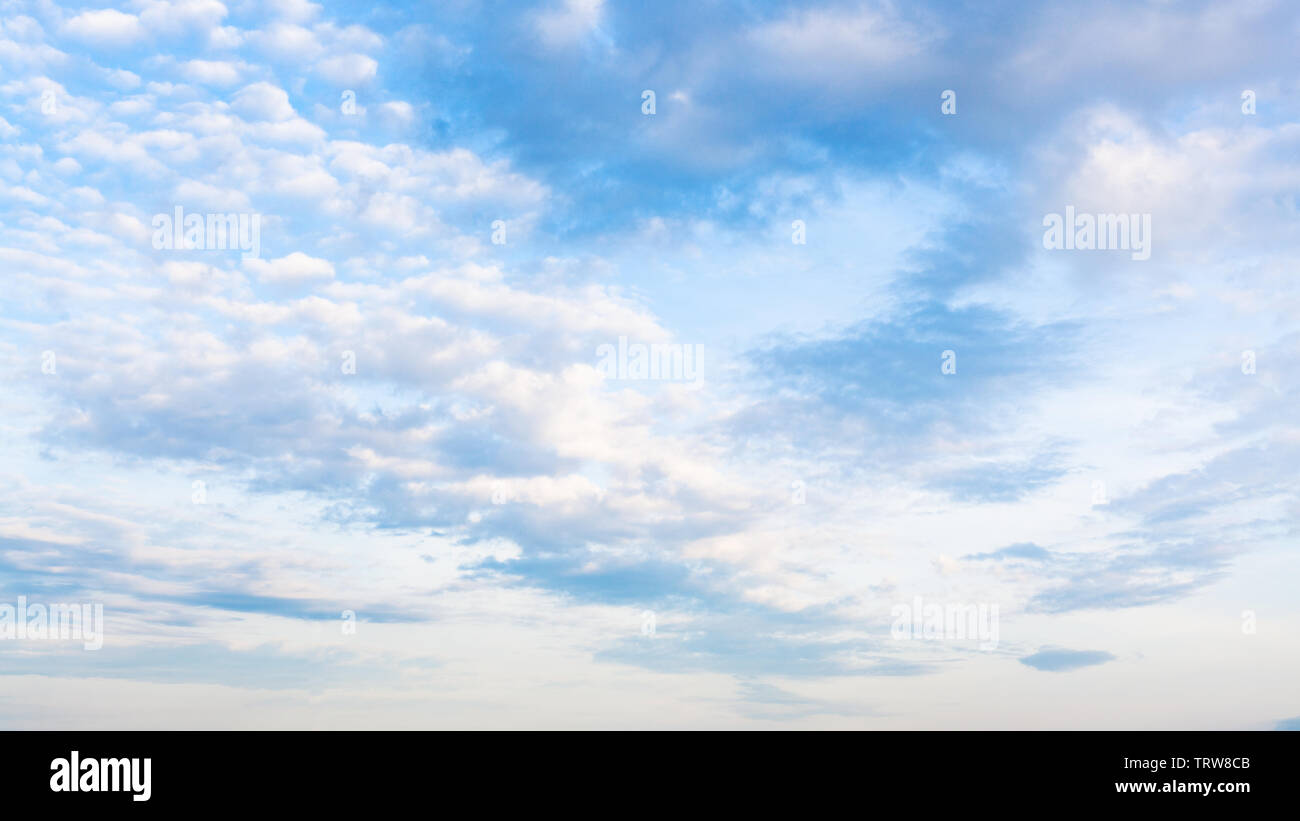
x,y
22,27
106,26
292,269
296,11
200,196
836,46
303,177
211,72
67,166
30,56
24,195
122,79
181,16
87,195
571,21
263,101
348,69
287,42
398,112
225,37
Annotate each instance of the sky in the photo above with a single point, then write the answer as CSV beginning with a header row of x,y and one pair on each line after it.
x,y
374,465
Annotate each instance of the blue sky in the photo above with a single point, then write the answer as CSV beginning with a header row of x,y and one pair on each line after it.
x,y
1098,464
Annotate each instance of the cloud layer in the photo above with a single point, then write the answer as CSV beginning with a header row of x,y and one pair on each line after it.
x,y
389,402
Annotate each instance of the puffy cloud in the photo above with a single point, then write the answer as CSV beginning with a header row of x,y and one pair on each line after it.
x,y
173,17
263,101
211,72
294,268
348,69
105,27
